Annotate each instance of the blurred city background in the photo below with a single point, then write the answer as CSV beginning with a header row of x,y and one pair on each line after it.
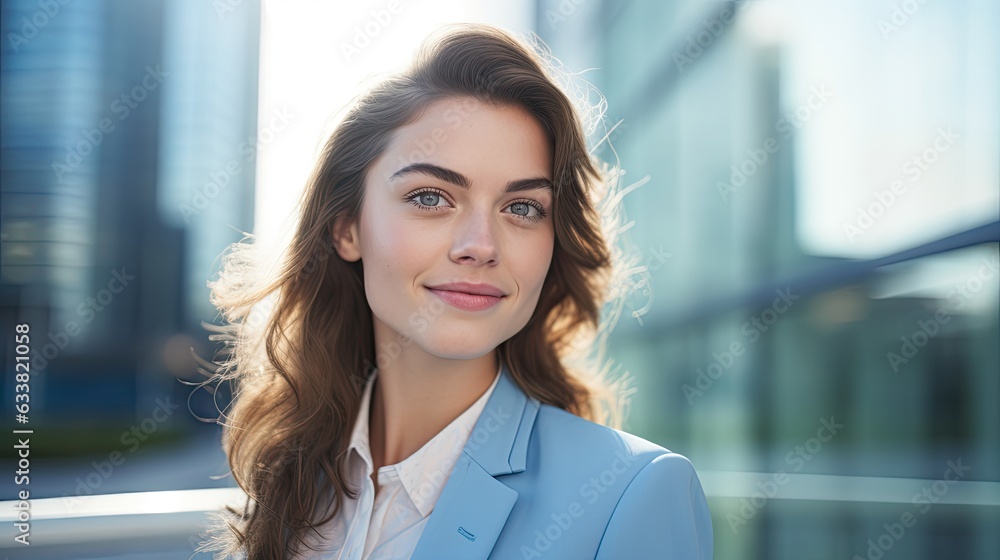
x,y
816,205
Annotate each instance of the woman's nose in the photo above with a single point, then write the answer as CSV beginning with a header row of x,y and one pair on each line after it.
x,y
475,239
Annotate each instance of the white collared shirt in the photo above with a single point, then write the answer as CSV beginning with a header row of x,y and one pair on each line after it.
x,y
390,524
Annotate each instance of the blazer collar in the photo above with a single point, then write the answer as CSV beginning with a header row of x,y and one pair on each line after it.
x,y
473,506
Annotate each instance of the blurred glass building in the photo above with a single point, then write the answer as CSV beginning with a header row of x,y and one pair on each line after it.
x,y
127,167
127,151
817,327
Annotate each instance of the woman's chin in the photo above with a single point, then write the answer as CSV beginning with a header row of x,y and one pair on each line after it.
x,y
460,349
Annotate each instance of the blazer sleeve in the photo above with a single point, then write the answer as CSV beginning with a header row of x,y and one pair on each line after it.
x,y
662,514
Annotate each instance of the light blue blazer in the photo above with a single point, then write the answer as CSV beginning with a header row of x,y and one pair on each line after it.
x,y
535,481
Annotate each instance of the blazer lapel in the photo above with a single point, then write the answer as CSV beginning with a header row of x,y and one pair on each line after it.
x,y
473,507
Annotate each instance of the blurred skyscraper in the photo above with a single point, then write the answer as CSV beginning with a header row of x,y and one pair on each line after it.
x,y
819,228
116,117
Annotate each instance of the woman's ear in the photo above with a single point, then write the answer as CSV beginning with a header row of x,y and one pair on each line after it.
x,y
345,238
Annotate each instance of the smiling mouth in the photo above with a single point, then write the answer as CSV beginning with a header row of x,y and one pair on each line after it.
x,y
465,300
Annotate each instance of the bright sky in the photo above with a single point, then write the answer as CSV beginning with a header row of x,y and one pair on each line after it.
x,y
315,56
912,109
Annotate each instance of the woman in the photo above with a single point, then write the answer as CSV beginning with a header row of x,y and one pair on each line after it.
x,y
418,389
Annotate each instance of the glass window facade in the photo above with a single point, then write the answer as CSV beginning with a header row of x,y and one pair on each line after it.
x,y
819,224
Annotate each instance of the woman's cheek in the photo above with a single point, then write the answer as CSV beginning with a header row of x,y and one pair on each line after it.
x,y
386,234
537,256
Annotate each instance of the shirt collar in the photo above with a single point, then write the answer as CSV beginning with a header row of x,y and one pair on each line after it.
x,y
424,473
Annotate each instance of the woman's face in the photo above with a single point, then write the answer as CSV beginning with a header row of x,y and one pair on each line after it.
x,y
461,195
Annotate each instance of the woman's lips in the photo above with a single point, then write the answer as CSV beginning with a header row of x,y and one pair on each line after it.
x,y
465,301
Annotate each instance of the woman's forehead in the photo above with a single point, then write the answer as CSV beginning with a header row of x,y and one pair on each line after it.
x,y
479,139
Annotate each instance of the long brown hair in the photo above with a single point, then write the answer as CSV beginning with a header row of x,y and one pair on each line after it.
x,y
299,343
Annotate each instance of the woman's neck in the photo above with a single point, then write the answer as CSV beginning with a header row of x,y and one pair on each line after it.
x,y
417,396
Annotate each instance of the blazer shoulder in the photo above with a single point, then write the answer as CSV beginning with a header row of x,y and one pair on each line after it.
x,y
663,511
582,436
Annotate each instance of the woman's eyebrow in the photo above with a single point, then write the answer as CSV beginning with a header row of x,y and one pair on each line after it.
x,y
456,178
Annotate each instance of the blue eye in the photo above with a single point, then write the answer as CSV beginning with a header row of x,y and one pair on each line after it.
x,y
425,199
428,199
526,207
519,206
